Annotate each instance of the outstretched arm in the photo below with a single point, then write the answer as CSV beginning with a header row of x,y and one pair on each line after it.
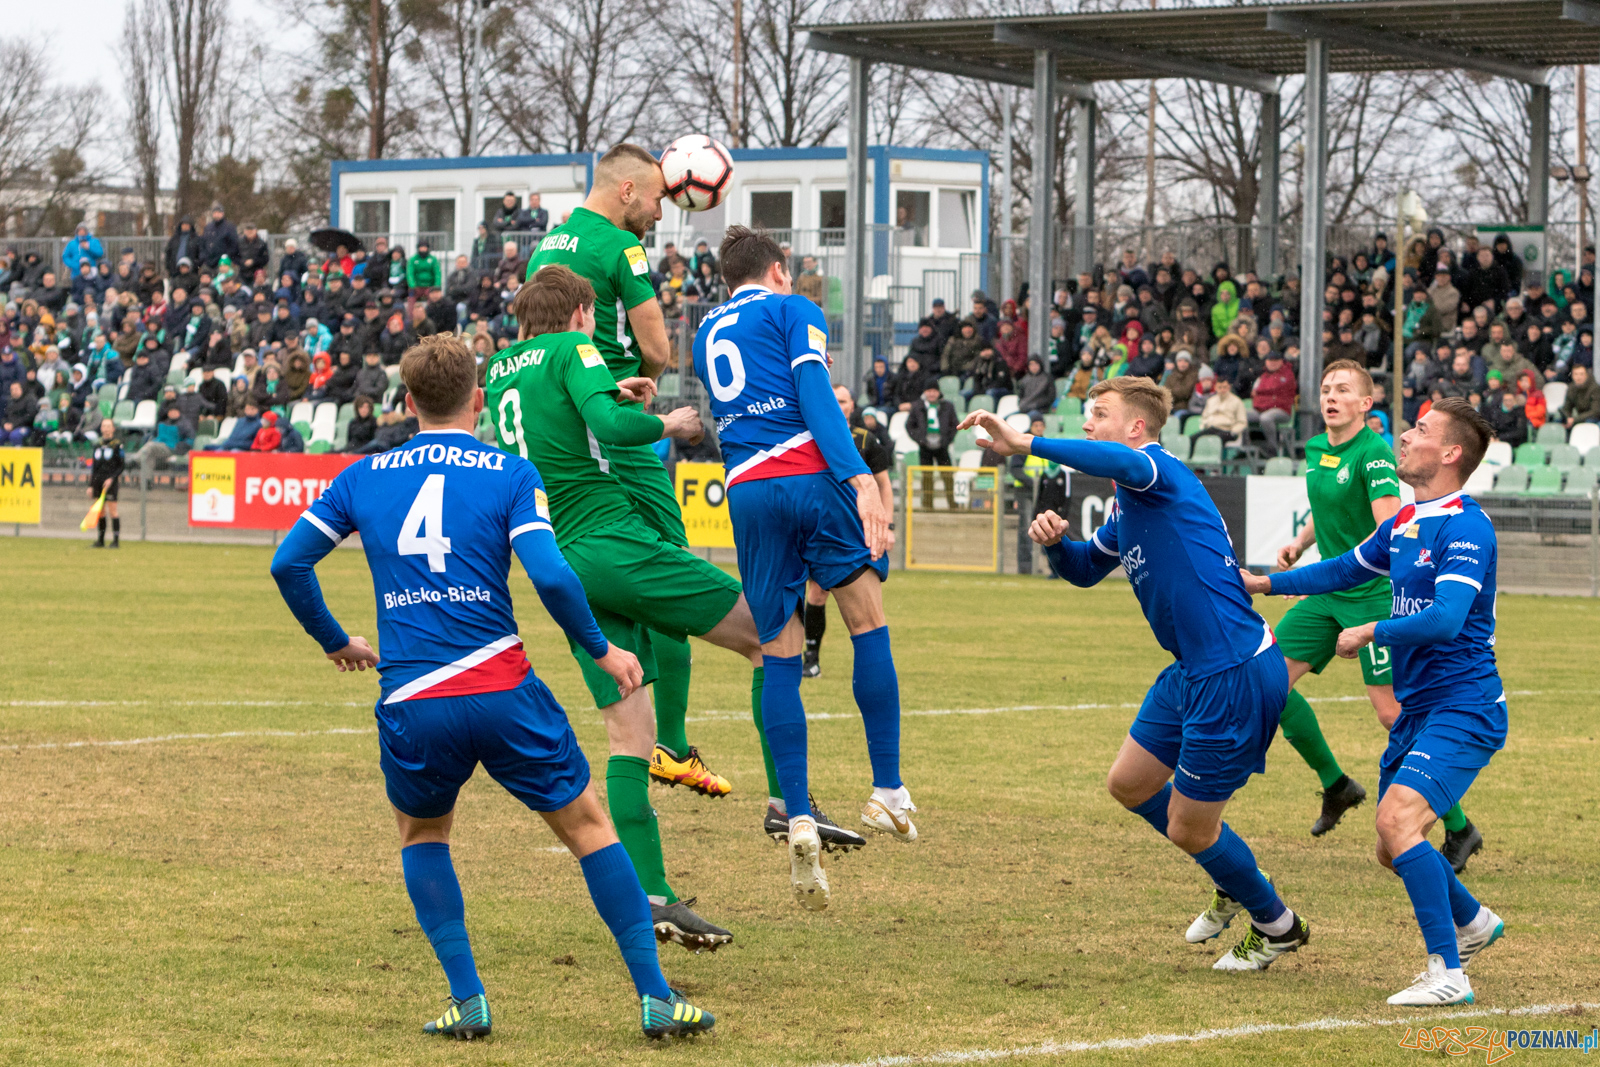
x,y
1331,575
1104,459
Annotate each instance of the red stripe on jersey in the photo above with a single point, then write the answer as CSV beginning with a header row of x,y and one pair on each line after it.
x,y
802,459
502,671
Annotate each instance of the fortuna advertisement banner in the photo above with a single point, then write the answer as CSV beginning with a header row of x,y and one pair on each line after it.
x,y
258,490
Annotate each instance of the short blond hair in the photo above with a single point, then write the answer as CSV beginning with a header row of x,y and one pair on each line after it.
x,y
1150,401
1362,374
441,373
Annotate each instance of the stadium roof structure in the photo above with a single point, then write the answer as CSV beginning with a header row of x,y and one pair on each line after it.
x,y
1249,46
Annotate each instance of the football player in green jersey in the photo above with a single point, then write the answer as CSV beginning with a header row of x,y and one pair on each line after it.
x,y
1352,486
600,242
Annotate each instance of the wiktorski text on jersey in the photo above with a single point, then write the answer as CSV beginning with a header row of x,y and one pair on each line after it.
x,y
448,455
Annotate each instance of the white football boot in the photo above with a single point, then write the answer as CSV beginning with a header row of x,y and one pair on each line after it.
x,y
810,881
889,817
1478,935
1435,986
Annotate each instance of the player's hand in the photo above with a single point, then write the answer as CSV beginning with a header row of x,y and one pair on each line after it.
x,y
1007,441
1353,640
636,390
1256,584
874,520
356,656
1289,555
623,666
684,424
1048,529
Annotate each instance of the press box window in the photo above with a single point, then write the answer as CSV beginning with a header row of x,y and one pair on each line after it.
x,y
371,216
957,208
437,219
911,219
772,211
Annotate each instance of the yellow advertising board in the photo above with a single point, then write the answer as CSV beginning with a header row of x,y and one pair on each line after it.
x,y
703,500
211,488
20,498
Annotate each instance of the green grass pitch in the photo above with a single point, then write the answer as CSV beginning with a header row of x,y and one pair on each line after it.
x,y
238,899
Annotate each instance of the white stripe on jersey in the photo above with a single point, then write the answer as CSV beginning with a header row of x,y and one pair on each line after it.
x,y
776,450
319,524
450,670
527,526
594,450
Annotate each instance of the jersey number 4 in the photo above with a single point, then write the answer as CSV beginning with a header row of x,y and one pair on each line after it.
x,y
722,348
422,534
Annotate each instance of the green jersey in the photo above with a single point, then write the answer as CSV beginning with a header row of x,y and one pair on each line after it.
x,y
1342,481
614,262
537,389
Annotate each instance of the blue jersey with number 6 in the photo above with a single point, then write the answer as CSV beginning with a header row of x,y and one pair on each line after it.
x,y
437,518
747,352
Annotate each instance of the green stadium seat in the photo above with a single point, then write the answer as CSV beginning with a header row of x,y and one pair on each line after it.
x,y
1580,481
981,402
670,385
1512,479
1070,405
207,425
950,385
1052,425
317,448
965,440
108,399
1280,467
1178,446
1072,424
175,376
1565,457
201,440
1551,433
1591,458
958,402
1530,456
123,412
346,413
1206,451
1192,427
1062,385
1544,481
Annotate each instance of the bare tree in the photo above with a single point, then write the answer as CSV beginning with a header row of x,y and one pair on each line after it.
x,y
589,73
193,45
443,50
45,139
140,52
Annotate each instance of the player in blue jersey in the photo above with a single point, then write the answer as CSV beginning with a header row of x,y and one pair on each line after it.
x,y
439,519
803,504
1211,714
1439,555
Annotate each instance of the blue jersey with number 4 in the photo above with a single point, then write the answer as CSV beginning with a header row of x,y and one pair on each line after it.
x,y
437,517
751,353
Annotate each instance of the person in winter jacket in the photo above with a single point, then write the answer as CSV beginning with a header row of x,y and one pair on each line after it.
x,y
22,407
1181,380
82,247
422,269
961,351
372,380
220,239
910,381
1036,390
1273,396
185,243
144,381
1225,310
268,437
989,374
363,426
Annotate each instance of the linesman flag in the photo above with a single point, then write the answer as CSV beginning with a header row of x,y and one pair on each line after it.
x,y
91,520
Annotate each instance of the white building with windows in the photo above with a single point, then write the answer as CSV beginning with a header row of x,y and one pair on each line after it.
x,y
927,209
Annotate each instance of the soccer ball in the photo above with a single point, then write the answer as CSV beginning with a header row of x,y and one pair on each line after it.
x,y
698,171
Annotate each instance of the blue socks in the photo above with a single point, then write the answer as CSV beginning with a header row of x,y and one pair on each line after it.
x,y
877,693
1154,810
1431,899
1463,905
1232,866
783,718
622,905
435,893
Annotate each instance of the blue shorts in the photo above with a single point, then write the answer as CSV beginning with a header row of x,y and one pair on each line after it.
x,y
1440,752
429,748
789,529
1214,731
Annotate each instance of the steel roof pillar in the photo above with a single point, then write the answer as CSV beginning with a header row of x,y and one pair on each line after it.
x,y
1267,196
1041,232
1085,115
855,226
1539,155
1314,231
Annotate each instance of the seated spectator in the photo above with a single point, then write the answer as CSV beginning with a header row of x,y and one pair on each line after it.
x,y
1182,379
1086,374
269,390
1507,417
145,380
372,380
1274,395
910,382
341,384
395,339
172,438
1224,413
395,428
22,407
1583,398
925,346
1145,361
508,271
296,374
244,431
1011,345
268,437
878,384
1230,361
362,426
989,375
1534,406
1036,391
960,351
485,303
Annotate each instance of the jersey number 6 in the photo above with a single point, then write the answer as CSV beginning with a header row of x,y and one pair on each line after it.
x,y
422,533
722,348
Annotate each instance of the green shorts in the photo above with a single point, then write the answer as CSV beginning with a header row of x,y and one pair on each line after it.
x,y
1309,632
644,478
636,583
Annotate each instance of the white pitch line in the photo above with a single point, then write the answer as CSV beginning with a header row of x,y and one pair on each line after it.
x,y
708,716
189,703
191,737
1062,1048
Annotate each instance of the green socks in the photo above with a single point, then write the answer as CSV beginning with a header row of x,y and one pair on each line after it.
x,y
756,679
671,693
1301,730
1455,820
628,795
